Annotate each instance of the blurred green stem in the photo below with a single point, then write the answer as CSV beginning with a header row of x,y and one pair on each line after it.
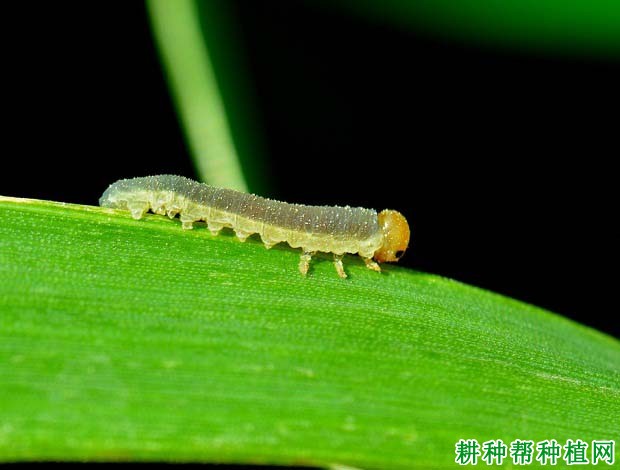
x,y
176,28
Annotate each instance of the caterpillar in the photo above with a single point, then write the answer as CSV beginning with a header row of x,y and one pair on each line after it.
x,y
376,238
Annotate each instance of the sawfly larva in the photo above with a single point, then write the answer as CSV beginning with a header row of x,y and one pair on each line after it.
x,y
377,238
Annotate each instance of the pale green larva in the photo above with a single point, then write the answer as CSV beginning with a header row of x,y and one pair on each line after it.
x,y
330,229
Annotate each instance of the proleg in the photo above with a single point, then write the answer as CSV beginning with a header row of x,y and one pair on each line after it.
x,y
376,238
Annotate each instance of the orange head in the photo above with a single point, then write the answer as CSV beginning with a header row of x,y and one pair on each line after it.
x,y
395,236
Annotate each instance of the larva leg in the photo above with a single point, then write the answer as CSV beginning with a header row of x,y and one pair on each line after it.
x,y
370,264
187,222
173,207
138,209
214,227
241,235
304,262
339,266
267,241
158,206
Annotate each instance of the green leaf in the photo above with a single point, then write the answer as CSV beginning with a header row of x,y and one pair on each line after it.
x,y
559,26
136,340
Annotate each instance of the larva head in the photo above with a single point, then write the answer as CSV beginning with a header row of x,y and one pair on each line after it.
x,y
395,236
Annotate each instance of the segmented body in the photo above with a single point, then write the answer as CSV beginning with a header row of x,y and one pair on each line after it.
x,y
330,229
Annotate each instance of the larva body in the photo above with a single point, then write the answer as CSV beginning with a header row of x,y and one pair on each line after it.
x,y
336,230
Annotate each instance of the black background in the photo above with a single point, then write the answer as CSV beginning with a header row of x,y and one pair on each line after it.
x,y
501,160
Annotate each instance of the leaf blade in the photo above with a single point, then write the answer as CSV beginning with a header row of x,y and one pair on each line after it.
x,y
135,340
